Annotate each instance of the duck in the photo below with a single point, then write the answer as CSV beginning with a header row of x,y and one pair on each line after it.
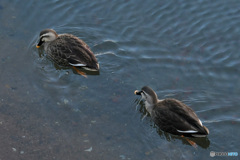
x,y
172,115
67,50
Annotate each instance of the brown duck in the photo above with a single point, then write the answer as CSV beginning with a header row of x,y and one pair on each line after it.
x,y
68,50
172,116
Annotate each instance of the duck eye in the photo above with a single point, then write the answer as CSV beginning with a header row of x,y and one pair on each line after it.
x,y
46,36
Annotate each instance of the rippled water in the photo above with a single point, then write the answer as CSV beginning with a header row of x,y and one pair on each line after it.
x,y
188,50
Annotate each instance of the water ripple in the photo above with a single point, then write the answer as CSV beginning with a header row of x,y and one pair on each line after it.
x,y
185,50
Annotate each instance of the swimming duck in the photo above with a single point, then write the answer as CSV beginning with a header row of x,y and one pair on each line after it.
x,y
171,115
67,50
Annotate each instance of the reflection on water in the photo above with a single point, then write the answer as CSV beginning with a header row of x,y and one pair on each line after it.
x,y
186,50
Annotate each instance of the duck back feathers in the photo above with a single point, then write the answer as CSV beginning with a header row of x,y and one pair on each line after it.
x,y
70,50
177,118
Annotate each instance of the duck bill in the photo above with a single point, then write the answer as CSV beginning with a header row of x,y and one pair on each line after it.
x,y
137,92
39,43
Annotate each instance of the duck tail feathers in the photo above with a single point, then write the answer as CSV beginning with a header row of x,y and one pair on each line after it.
x,y
206,130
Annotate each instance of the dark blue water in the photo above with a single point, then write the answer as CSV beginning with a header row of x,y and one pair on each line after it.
x,y
188,50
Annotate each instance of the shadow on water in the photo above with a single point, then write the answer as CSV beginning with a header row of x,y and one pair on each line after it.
x,y
203,142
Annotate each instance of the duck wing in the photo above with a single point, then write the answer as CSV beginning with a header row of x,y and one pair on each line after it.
x,y
73,51
177,118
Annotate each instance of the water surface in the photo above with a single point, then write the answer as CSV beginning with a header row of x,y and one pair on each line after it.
x,y
184,50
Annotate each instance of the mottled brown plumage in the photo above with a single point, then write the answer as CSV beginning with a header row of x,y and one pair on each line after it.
x,y
172,116
67,50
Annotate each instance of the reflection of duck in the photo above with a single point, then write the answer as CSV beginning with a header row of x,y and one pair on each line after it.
x,y
172,116
68,50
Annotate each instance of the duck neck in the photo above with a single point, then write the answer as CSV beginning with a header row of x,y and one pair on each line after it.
x,y
149,107
46,45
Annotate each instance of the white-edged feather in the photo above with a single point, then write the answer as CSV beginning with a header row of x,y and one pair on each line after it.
x,y
198,135
188,131
78,65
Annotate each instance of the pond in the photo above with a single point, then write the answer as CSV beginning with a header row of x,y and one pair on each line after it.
x,y
182,49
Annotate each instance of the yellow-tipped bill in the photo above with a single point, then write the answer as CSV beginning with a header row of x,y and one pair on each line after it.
x,y
137,92
38,46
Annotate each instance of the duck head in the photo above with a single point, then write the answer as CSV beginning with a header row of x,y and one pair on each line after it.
x,y
148,95
46,36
